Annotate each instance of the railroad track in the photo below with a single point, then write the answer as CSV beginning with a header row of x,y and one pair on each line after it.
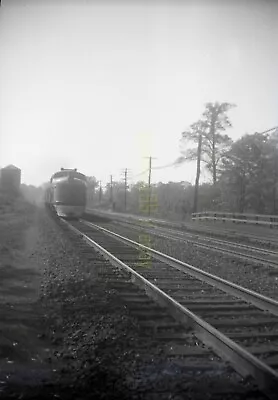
x,y
268,241
235,323
238,250
233,234
191,228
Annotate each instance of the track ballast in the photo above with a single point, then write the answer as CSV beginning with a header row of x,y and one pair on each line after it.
x,y
234,319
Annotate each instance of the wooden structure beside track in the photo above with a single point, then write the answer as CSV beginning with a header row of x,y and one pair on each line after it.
x,y
255,219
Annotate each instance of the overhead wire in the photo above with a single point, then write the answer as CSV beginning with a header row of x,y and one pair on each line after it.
x,y
173,164
271,129
177,162
141,173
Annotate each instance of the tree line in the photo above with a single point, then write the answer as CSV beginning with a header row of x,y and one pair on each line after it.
x,y
244,173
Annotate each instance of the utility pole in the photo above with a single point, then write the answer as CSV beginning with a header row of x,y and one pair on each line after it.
x,y
149,184
125,172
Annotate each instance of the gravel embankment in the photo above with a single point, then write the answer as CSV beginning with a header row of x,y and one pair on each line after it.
x,y
95,341
259,278
245,229
97,351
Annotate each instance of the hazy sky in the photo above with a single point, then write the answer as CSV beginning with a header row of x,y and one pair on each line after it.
x,y
101,85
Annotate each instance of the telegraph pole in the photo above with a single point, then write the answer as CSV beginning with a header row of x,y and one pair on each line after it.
x,y
125,172
149,184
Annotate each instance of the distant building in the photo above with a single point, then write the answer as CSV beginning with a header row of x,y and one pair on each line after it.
x,y
10,178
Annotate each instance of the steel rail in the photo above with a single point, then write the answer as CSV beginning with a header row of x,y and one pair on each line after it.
x,y
243,362
262,302
218,249
222,241
182,235
230,231
221,231
201,229
222,250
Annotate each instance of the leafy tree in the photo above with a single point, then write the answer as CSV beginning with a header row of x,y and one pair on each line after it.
x,y
137,197
91,187
212,144
172,200
235,174
32,193
215,143
273,164
119,196
210,197
248,172
258,173
195,134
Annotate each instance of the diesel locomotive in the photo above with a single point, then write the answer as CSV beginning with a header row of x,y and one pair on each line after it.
x,y
66,193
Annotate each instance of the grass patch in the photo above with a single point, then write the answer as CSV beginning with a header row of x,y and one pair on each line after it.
x,y
16,215
14,203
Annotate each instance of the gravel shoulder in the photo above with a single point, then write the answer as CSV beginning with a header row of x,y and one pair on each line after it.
x,y
66,335
22,350
262,279
264,231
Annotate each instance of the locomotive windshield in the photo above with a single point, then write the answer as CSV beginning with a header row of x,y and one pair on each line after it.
x,y
66,173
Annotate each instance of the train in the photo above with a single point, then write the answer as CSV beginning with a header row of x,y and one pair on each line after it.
x,y
66,193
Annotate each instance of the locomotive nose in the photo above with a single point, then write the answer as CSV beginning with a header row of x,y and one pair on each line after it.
x,y
69,193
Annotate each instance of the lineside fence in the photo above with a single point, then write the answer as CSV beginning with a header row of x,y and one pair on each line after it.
x,y
237,218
